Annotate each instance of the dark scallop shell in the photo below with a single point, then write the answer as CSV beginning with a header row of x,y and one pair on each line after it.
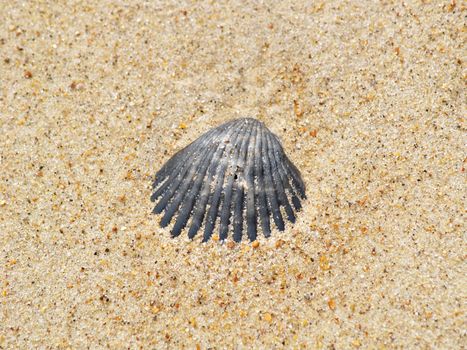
x,y
235,175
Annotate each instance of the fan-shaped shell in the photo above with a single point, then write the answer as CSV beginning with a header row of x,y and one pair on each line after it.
x,y
236,175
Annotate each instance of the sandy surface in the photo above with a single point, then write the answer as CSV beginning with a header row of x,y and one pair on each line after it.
x,y
368,99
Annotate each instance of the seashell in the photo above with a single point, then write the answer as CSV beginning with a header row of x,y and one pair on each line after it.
x,y
236,175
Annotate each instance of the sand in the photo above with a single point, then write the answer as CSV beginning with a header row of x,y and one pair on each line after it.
x,y
368,99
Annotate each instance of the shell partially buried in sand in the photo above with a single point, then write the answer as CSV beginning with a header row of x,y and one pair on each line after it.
x,y
236,176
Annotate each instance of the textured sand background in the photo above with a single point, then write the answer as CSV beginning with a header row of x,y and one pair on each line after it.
x,y
368,99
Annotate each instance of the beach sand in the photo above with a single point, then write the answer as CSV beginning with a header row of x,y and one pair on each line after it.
x,y
368,99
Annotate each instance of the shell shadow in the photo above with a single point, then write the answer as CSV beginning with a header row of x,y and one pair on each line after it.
x,y
235,176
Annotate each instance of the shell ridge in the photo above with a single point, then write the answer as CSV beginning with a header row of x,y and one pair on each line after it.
x,y
208,167
188,180
215,199
279,179
259,187
168,188
230,184
296,178
271,194
178,171
174,163
206,193
239,186
287,174
250,193
290,169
